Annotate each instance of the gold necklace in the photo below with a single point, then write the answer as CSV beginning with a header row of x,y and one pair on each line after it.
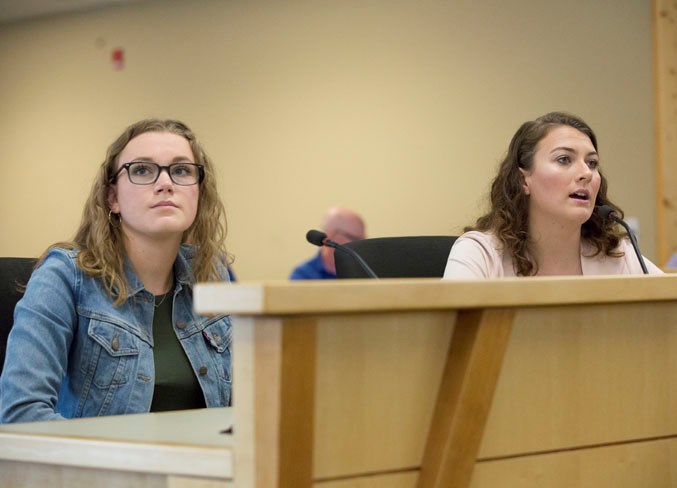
x,y
164,297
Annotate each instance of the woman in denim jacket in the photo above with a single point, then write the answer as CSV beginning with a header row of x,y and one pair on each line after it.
x,y
106,325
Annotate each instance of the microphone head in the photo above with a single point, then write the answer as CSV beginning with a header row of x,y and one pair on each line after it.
x,y
606,212
316,237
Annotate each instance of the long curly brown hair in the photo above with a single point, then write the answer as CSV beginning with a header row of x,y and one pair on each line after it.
x,y
508,217
99,238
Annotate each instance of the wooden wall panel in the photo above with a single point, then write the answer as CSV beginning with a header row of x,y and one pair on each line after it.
x,y
665,82
646,464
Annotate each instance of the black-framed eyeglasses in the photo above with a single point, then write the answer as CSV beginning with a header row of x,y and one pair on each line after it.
x,y
147,173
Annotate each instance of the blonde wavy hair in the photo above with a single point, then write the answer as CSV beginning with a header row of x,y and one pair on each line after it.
x,y
99,238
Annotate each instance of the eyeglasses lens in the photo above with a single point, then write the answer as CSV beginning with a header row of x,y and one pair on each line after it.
x,y
142,173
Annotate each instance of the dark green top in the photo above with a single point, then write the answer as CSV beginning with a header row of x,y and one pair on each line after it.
x,y
176,385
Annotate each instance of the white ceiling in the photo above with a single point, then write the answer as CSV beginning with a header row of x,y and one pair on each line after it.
x,y
12,10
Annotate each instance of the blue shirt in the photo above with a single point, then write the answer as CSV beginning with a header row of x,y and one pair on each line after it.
x,y
312,269
72,353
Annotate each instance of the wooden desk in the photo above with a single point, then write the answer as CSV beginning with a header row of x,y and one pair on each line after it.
x,y
560,382
545,382
174,449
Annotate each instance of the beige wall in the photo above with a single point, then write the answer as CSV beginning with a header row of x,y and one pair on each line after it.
x,y
399,109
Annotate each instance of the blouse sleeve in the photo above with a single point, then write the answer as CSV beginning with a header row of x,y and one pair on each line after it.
x,y
652,268
474,256
633,263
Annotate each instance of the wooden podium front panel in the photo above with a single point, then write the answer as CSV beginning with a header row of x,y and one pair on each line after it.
x,y
373,380
377,380
587,397
585,375
586,380
397,480
651,464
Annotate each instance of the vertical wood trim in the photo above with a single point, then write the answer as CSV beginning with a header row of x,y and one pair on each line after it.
x,y
255,400
664,28
661,238
297,403
658,164
471,372
274,401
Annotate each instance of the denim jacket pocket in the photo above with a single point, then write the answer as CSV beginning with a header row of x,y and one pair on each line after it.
x,y
111,354
217,334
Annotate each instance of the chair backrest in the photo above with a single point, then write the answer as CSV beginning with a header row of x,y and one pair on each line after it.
x,y
396,257
13,273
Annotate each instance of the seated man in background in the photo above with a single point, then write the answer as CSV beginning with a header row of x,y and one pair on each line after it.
x,y
341,225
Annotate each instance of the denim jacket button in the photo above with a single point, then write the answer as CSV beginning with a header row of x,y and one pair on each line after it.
x,y
203,370
181,324
115,343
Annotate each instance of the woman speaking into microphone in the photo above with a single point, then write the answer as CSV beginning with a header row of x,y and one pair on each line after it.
x,y
543,219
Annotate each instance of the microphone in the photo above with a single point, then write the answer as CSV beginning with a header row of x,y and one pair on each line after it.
x,y
319,239
608,213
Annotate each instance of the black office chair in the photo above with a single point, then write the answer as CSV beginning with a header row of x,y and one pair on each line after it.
x,y
396,257
14,272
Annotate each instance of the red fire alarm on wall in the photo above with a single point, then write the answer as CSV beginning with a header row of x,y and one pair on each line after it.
x,y
117,58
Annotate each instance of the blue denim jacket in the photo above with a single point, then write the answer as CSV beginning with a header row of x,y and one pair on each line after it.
x,y
71,353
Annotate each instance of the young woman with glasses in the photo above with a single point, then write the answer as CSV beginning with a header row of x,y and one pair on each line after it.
x,y
106,325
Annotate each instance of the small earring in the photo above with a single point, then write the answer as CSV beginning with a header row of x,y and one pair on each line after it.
x,y
110,220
